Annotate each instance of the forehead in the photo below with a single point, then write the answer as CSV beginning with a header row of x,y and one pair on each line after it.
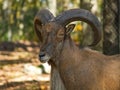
x,y
51,27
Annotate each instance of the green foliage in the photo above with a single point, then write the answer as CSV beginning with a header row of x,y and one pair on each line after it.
x,y
18,16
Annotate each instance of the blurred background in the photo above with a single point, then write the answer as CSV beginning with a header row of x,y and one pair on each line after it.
x,y
20,68
16,16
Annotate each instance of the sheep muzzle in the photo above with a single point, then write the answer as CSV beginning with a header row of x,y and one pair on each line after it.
x,y
43,57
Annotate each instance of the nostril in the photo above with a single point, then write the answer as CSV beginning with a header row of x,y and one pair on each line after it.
x,y
42,54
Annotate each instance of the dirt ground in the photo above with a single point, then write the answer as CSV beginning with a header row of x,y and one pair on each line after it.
x,y
20,67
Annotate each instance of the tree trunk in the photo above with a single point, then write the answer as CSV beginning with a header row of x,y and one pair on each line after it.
x,y
111,17
52,6
119,23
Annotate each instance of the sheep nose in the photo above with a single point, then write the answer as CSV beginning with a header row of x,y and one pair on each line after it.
x,y
42,54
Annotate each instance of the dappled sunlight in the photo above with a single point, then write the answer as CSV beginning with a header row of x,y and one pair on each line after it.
x,y
21,69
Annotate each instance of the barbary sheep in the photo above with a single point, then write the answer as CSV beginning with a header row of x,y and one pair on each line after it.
x,y
75,68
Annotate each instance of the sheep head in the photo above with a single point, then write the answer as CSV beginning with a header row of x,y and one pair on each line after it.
x,y
52,31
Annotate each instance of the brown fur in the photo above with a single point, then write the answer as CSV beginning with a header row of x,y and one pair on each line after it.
x,y
79,69
74,68
85,69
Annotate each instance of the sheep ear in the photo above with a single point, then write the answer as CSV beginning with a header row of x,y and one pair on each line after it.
x,y
69,29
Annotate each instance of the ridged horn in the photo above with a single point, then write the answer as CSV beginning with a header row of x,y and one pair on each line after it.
x,y
81,15
42,17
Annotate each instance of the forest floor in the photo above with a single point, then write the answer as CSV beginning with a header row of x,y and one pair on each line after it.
x,y
20,67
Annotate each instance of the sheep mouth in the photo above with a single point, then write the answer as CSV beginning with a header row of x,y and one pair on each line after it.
x,y
44,58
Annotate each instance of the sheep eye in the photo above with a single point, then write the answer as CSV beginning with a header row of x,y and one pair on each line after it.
x,y
60,34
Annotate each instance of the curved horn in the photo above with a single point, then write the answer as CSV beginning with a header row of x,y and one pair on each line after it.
x,y
42,17
83,15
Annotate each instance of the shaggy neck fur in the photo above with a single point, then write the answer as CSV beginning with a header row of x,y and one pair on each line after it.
x,y
81,69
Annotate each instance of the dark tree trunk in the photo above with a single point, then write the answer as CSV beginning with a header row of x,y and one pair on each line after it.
x,y
119,24
111,26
